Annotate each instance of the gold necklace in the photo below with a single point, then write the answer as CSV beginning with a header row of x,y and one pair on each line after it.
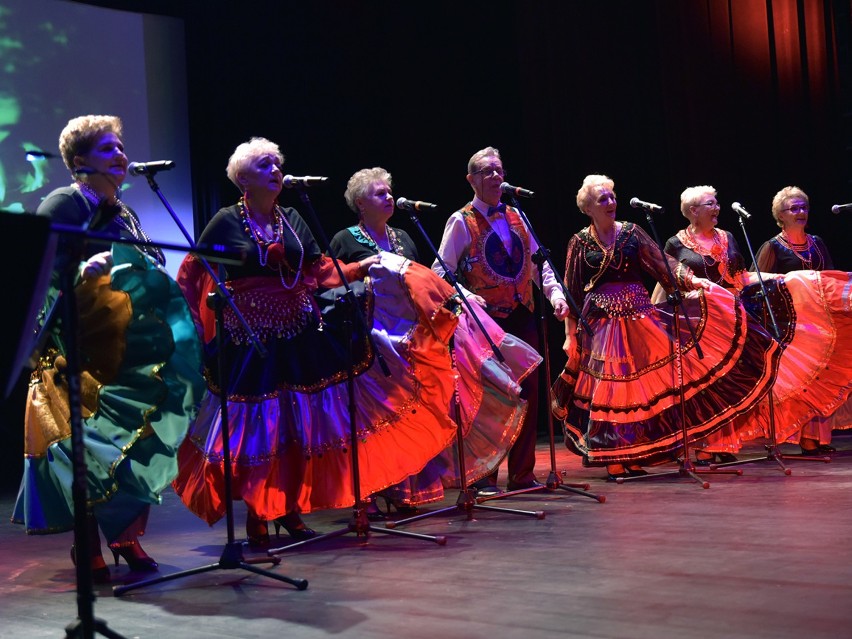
x,y
608,255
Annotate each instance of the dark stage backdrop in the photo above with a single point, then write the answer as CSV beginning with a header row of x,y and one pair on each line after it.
x,y
746,95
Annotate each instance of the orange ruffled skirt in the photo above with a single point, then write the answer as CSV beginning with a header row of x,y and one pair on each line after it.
x,y
619,395
813,310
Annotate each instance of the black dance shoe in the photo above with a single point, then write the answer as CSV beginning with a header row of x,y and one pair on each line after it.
x,y
295,527
257,532
136,558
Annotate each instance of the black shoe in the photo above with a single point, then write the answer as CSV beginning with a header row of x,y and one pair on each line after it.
x,y
295,527
637,472
524,485
724,458
825,448
137,559
374,513
488,491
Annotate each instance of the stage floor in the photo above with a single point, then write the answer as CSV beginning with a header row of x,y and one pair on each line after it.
x,y
759,555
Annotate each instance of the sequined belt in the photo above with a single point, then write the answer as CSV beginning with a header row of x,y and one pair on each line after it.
x,y
632,302
269,316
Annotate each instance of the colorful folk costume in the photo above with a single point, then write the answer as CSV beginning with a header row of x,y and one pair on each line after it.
x,y
722,264
490,249
141,384
288,413
812,304
619,395
491,408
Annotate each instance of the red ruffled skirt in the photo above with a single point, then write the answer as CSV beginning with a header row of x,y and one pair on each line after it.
x,y
620,393
813,310
292,449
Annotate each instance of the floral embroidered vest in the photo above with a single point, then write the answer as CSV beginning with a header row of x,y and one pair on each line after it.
x,y
502,277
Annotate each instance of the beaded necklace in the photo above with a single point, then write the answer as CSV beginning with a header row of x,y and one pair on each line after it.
x,y
270,251
608,256
717,253
393,240
126,219
805,252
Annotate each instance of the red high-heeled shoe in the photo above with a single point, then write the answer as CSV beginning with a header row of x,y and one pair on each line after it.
x,y
136,558
99,569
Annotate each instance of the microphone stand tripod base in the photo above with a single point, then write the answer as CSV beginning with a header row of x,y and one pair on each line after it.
x,y
361,526
564,473
467,502
774,455
231,558
686,469
554,482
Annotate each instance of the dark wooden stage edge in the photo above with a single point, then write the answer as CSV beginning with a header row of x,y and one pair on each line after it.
x,y
762,555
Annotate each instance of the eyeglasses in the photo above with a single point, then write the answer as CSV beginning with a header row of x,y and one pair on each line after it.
x,y
488,171
798,209
712,204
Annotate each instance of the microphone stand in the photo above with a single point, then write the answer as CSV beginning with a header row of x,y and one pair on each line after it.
x,y
685,466
554,479
467,501
360,523
232,553
772,451
86,624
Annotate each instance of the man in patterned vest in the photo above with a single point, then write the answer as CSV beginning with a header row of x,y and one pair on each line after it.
x,y
489,248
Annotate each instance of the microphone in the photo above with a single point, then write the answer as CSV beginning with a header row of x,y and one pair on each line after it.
x,y
291,182
841,208
636,203
739,209
414,205
149,168
508,189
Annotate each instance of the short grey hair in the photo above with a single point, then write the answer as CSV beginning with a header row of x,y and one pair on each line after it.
x,y
487,152
782,197
359,183
591,183
246,153
692,196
